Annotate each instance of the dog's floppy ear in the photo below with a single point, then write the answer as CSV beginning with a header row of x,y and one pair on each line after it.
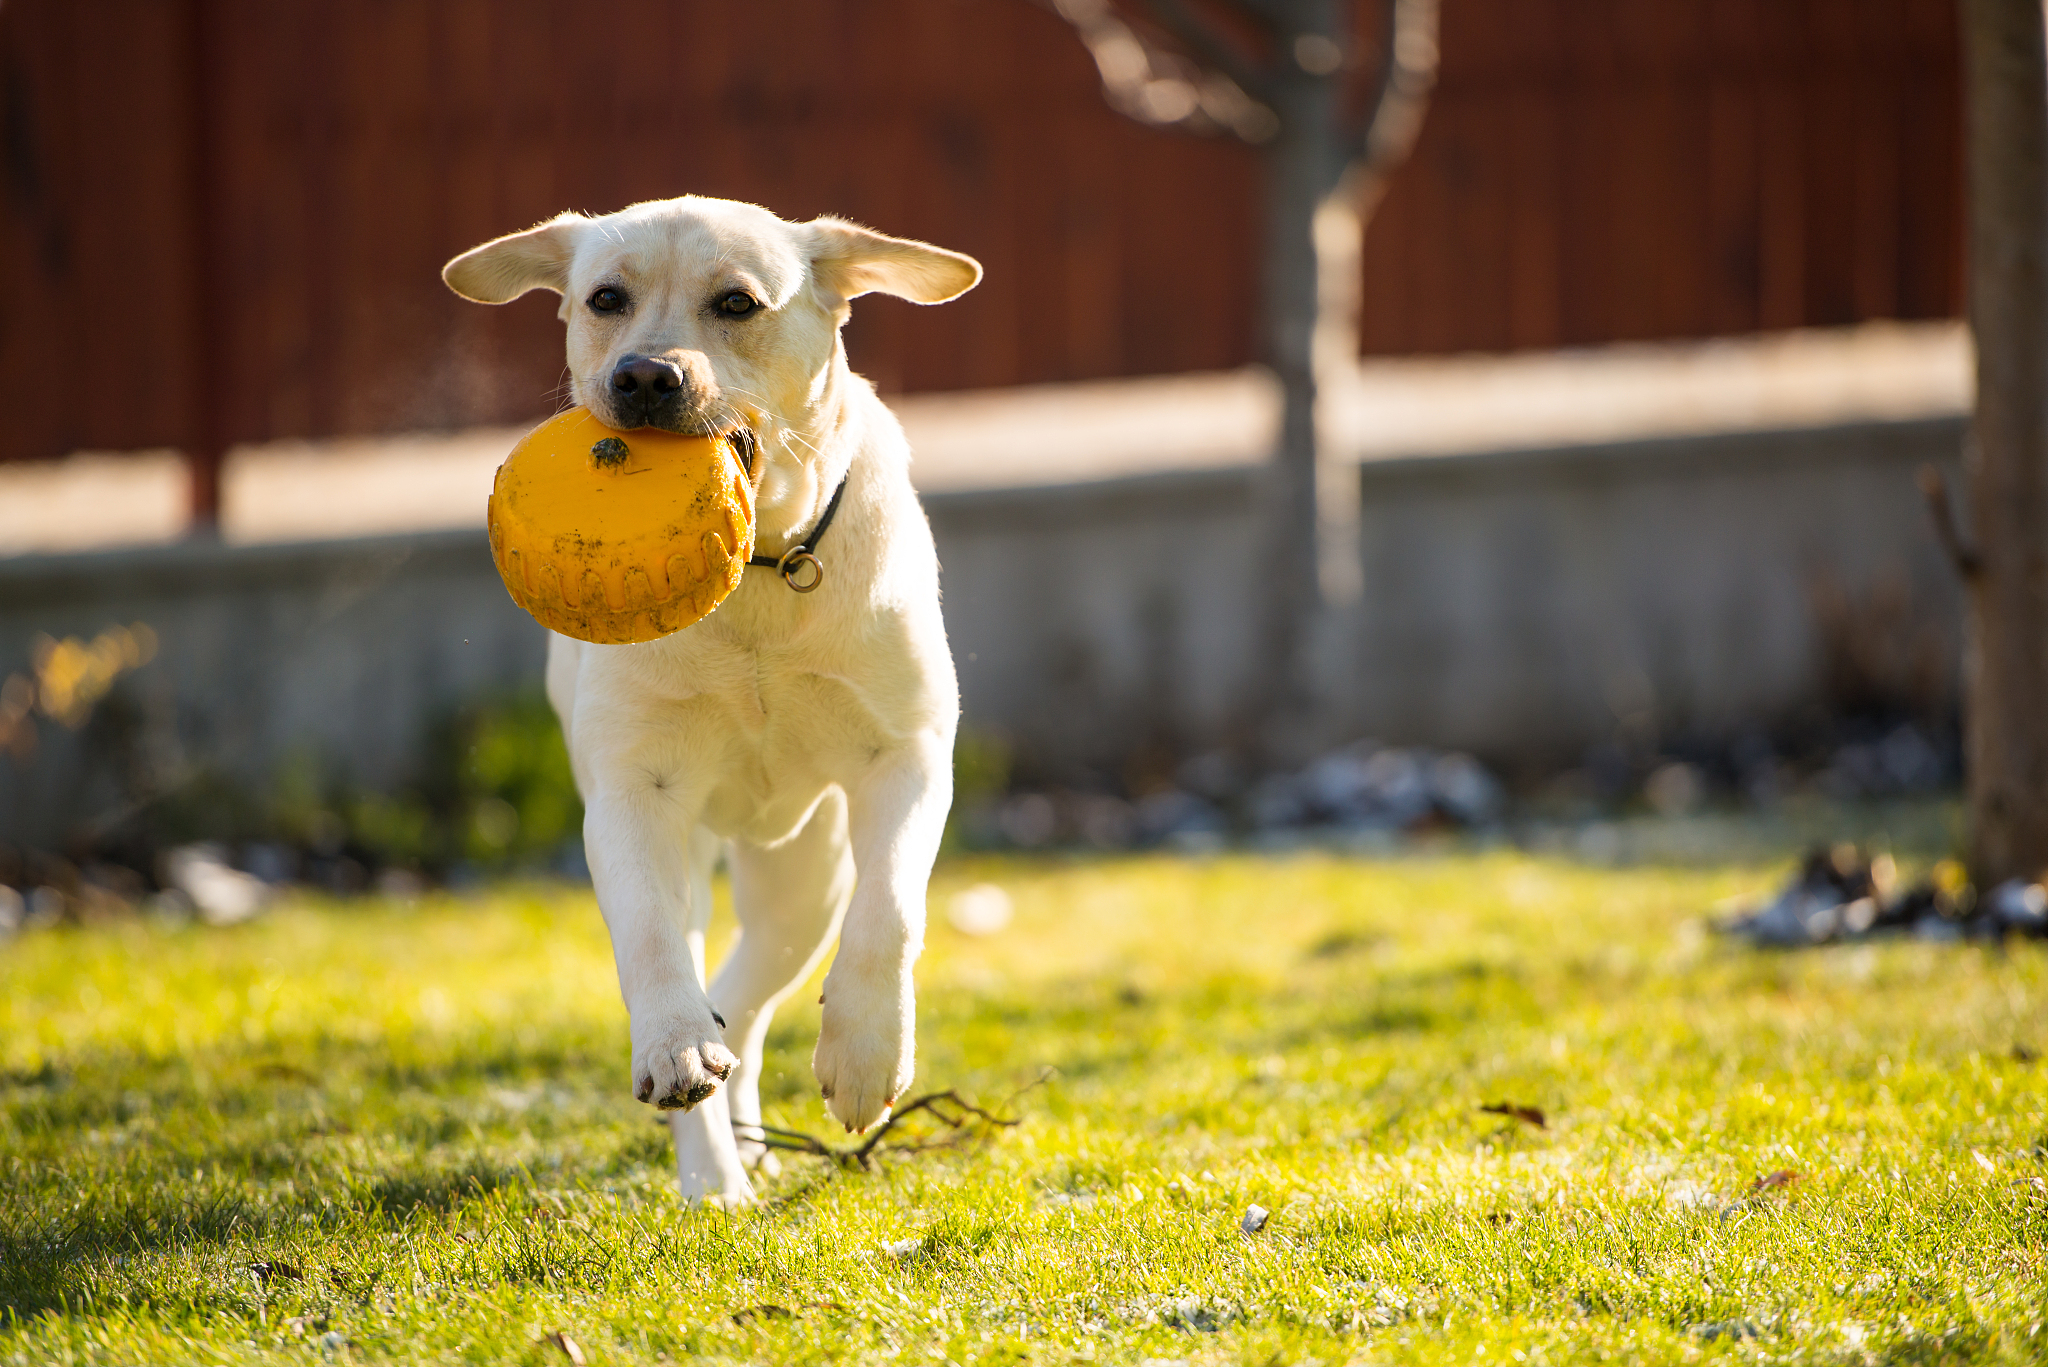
x,y
853,260
499,272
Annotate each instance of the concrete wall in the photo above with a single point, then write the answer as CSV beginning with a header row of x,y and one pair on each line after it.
x,y
345,649
1519,604
1524,602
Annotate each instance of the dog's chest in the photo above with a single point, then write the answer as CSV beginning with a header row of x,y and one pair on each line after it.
x,y
786,733
809,701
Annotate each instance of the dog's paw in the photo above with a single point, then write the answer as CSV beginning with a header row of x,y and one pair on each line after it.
x,y
680,1062
866,1054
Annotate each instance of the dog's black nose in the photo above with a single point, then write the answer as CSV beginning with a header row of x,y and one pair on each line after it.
x,y
646,378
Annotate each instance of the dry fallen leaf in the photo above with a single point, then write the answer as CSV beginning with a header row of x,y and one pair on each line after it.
x,y
566,1344
1528,1115
1772,1181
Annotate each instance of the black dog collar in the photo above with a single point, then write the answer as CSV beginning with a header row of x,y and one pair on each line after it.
x,y
791,562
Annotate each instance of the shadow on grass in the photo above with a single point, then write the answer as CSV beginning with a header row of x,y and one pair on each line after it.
x,y
1429,1001
110,1086
54,1261
1103,1026
279,1141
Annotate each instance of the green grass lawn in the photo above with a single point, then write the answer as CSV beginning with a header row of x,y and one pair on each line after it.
x,y
417,1119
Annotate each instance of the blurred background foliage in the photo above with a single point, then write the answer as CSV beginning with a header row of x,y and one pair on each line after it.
x,y
493,793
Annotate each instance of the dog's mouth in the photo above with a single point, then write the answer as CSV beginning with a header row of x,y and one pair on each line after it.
x,y
733,430
730,427
745,445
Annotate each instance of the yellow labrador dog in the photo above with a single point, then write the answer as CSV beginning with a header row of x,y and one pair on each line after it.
x,y
810,733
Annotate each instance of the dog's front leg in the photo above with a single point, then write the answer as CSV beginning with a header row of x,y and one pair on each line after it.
x,y
636,834
896,813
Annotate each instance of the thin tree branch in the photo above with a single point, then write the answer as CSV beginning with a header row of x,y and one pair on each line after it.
x,y
1271,15
1153,85
1392,118
1968,562
1209,44
955,1114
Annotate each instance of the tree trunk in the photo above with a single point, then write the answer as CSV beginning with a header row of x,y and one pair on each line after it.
x,y
2006,654
1340,284
1304,520
1288,529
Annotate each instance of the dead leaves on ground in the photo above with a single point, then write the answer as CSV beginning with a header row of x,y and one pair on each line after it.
x,y
1528,1115
1770,1186
569,1348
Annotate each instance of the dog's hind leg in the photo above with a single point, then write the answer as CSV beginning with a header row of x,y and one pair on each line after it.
x,y
790,899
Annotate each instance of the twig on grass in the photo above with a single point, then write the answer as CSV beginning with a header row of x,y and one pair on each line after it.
x,y
1528,1115
958,1117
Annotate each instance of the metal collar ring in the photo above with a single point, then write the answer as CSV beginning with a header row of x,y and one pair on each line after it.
x,y
791,564
791,561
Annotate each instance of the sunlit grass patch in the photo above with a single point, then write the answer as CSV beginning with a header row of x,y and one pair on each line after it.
x,y
414,1123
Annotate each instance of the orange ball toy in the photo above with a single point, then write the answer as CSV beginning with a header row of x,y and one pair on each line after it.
x,y
620,537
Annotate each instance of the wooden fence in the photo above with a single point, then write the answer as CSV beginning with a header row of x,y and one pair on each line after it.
x,y
1612,170
221,220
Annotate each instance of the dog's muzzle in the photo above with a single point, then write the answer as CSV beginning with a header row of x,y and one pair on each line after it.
x,y
649,391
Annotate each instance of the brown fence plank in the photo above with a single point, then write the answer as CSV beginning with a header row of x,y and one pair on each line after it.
x,y
1592,170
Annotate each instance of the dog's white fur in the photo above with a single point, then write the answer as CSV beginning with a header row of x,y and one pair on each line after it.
x,y
810,735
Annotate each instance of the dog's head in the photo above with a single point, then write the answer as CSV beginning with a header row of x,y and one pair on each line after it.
x,y
704,315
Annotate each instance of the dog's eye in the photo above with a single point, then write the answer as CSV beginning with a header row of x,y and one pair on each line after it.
x,y
738,304
608,300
